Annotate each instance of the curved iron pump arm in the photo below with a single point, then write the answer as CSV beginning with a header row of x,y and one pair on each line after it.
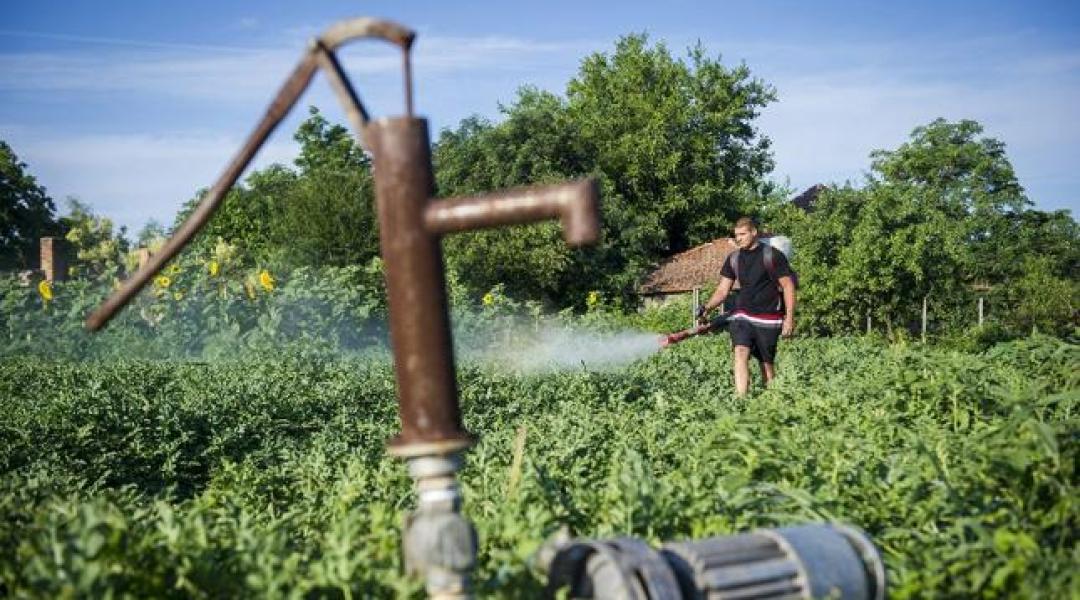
x,y
319,54
576,203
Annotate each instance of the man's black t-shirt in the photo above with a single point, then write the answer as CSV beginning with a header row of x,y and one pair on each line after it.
x,y
758,293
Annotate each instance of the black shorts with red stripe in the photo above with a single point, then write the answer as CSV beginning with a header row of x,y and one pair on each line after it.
x,y
759,332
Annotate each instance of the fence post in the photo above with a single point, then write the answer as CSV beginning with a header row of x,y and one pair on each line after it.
x,y
869,324
980,311
924,317
694,306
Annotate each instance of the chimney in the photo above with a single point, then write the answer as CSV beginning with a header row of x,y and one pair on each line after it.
x,y
54,259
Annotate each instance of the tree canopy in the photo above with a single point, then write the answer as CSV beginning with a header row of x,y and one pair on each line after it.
x,y
672,141
941,218
318,212
26,213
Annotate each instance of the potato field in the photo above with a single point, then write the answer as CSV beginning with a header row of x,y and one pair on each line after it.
x,y
267,478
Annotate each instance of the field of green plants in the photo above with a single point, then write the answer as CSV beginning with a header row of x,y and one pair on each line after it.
x,y
267,478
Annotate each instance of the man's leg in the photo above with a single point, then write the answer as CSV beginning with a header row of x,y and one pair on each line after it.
x,y
765,339
742,370
768,369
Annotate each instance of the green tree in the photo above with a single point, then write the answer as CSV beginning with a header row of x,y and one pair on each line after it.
x,y
246,215
151,233
672,142
939,215
964,178
99,251
328,217
319,213
26,213
534,144
1041,288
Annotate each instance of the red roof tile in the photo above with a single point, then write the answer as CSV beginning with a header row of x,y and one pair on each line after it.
x,y
698,267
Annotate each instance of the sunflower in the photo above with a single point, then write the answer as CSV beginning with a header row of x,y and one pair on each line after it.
x,y
163,281
266,281
213,267
488,299
45,290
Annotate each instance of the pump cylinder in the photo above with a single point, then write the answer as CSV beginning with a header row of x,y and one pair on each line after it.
x,y
415,281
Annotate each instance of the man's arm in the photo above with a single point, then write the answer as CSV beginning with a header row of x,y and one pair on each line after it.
x,y
787,286
721,294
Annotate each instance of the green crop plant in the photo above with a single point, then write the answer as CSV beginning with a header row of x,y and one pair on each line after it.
x,y
268,478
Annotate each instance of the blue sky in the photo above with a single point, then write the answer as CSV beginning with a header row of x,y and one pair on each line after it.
x,y
133,106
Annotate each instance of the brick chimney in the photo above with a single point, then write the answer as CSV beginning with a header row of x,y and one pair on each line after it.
x,y
54,258
143,255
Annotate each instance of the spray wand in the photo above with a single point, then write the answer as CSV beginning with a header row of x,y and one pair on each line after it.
x,y
718,323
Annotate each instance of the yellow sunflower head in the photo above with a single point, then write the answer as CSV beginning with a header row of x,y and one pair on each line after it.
x,y
44,289
266,280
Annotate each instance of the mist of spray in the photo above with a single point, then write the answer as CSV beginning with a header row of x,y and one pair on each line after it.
x,y
560,347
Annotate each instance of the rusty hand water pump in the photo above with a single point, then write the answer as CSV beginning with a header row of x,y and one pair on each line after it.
x,y
440,544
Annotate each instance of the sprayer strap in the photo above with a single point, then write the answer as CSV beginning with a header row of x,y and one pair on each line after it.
x,y
768,257
770,261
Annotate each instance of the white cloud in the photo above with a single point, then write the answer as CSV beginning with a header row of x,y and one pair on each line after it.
x,y
229,76
134,178
244,75
828,119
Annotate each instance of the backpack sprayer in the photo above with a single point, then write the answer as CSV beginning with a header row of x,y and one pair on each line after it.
x,y
439,542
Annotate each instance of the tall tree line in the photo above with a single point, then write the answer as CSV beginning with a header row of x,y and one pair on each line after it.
x,y
942,220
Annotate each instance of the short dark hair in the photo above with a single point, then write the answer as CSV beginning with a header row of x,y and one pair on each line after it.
x,y
746,222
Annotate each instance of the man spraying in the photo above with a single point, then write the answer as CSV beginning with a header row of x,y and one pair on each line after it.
x,y
764,308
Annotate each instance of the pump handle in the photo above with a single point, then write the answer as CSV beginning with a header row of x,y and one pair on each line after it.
x,y
319,53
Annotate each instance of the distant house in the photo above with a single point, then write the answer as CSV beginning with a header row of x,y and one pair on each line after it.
x,y
699,268
807,199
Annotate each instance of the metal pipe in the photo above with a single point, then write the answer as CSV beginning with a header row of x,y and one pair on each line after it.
x,y
575,203
415,284
439,542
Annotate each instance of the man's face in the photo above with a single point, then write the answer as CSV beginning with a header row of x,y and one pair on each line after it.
x,y
745,237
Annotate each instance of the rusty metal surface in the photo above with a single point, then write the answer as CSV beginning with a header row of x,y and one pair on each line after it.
x,y
415,283
574,203
364,27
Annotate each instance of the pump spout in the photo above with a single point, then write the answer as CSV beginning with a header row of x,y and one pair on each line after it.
x,y
575,204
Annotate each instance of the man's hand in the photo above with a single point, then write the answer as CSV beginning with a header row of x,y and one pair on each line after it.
x,y
788,329
701,312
